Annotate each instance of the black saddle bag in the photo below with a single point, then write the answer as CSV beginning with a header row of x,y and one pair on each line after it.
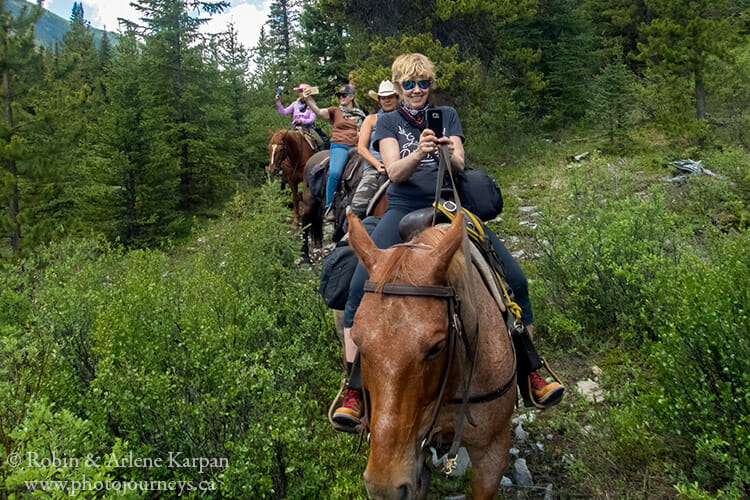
x,y
338,268
479,193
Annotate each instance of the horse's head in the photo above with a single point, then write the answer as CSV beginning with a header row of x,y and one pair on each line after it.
x,y
403,351
277,151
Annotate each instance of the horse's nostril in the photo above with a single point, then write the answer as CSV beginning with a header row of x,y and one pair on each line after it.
x,y
405,492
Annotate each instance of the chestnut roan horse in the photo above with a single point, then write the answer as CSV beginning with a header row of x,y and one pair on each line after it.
x,y
289,151
417,361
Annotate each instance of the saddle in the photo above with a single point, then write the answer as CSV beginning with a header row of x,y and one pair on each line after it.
x,y
491,271
311,140
316,179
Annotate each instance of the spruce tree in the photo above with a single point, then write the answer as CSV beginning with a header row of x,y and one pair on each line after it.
x,y
232,60
619,22
612,99
20,63
133,174
282,19
570,57
66,102
323,49
178,87
682,35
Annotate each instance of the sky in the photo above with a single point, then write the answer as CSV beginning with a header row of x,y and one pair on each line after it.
x,y
248,16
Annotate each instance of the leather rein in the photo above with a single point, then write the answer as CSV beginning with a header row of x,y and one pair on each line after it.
x,y
455,331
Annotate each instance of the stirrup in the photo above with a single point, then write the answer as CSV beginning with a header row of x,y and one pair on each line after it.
x,y
332,409
528,397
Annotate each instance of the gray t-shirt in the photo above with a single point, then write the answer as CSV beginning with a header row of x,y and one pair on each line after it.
x,y
420,187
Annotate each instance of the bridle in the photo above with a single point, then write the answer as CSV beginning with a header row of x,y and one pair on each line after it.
x,y
455,331
278,167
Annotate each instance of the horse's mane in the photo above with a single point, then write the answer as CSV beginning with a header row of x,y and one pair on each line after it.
x,y
398,268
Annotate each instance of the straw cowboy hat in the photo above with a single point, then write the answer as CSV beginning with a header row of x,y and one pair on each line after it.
x,y
386,88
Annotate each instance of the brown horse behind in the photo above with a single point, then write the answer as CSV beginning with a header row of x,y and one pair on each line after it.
x,y
403,343
289,151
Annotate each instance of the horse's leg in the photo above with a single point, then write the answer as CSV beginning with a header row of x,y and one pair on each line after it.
x,y
295,203
306,246
488,465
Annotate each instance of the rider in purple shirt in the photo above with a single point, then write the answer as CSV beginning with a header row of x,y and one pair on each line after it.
x,y
303,117
302,114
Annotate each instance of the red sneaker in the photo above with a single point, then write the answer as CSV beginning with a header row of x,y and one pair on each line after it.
x,y
350,411
545,393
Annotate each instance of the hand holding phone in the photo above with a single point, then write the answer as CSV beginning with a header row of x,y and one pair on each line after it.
x,y
435,121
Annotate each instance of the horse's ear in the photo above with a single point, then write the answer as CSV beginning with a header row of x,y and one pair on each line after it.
x,y
270,132
361,243
447,247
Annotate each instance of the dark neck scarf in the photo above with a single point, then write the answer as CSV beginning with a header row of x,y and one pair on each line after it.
x,y
414,116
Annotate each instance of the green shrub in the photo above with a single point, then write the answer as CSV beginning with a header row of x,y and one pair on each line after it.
x,y
700,359
223,350
598,259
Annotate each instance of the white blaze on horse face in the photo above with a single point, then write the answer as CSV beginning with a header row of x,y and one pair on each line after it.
x,y
273,153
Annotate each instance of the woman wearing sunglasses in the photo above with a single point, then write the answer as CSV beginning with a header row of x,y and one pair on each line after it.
x,y
346,120
410,154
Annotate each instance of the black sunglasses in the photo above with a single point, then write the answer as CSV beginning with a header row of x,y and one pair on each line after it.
x,y
410,84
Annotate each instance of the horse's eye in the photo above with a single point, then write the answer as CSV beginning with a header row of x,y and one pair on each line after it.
x,y
435,350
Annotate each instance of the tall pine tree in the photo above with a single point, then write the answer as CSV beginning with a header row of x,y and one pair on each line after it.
x,y
282,19
133,172
178,86
682,35
20,64
68,99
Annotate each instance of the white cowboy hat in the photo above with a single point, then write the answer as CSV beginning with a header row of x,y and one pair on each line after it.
x,y
386,88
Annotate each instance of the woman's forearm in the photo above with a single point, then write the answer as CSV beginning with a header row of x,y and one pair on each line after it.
x,y
457,156
363,145
308,117
370,158
323,113
282,109
399,169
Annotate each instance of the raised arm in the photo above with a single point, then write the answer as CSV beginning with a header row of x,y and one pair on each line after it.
x,y
282,109
323,113
363,146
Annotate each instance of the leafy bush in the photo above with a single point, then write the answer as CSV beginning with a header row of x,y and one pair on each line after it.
x,y
223,352
700,359
599,258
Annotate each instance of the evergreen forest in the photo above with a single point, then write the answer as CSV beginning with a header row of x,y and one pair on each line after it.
x,y
157,325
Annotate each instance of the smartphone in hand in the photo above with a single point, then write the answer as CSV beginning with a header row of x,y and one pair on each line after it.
x,y
435,121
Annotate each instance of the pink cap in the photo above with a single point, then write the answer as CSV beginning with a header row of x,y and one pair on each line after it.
x,y
302,86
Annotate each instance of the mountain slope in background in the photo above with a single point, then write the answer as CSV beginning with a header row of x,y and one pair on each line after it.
x,y
51,27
